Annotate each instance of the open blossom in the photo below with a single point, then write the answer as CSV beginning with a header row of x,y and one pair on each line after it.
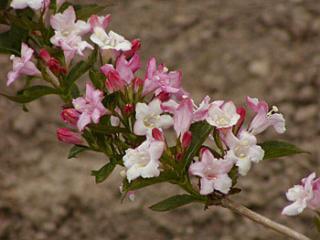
x,y
67,136
265,118
109,40
143,161
124,68
68,32
34,4
90,107
213,173
307,194
243,150
22,65
149,117
99,21
222,116
159,79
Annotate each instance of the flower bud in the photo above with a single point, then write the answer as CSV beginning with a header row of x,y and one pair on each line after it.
x,y
70,116
53,63
135,46
242,112
157,134
114,82
137,83
128,108
164,96
186,139
67,136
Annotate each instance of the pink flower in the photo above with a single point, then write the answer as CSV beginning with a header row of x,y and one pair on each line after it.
x,y
70,116
22,65
186,139
157,134
265,118
201,112
143,161
124,68
67,136
213,173
68,33
222,116
307,194
159,79
114,82
99,21
53,63
183,117
135,46
90,107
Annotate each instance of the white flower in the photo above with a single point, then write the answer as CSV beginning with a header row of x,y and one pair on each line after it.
x,y
300,195
243,150
34,4
149,117
144,160
111,40
224,116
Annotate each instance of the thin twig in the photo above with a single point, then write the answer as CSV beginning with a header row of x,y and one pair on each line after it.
x,y
246,212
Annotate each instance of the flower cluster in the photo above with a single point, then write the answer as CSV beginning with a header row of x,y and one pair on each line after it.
x,y
149,126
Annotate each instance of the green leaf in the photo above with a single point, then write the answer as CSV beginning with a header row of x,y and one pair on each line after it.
x,y
144,182
97,78
31,93
173,202
200,132
106,129
10,41
76,150
104,172
276,149
85,11
80,69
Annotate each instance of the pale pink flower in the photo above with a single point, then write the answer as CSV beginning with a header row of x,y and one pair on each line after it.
x,y
109,40
213,173
243,150
22,65
222,116
99,21
307,194
201,112
159,79
67,136
34,4
265,118
183,117
143,161
149,117
90,107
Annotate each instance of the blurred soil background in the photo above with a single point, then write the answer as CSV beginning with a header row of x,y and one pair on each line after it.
x,y
227,49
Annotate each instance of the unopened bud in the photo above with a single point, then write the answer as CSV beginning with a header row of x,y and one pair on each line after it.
x,y
67,136
157,134
186,139
70,116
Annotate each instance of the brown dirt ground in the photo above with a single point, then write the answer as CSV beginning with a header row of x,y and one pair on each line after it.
x,y
226,49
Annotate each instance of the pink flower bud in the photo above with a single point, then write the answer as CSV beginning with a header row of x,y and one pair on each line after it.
x,y
128,108
70,116
53,63
137,83
135,46
202,150
186,139
67,136
164,96
157,134
179,156
114,82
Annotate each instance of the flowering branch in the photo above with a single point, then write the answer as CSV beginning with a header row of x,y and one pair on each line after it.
x,y
243,211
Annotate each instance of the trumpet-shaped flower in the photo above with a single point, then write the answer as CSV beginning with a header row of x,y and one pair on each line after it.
x,y
213,173
183,117
224,116
144,160
159,79
109,40
243,150
34,4
22,65
99,21
265,118
306,194
90,107
149,117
